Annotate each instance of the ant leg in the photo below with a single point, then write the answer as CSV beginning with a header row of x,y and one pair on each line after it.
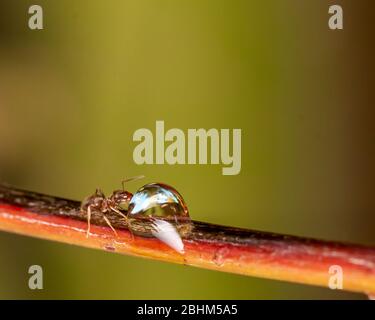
x,y
88,221
131,179
131,232
109,224
126,220
177,223
118,211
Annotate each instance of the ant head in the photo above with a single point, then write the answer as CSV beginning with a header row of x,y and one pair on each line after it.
x,y
121,198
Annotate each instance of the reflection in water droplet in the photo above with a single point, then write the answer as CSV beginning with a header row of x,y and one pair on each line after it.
x,y
156,199
167,233
158,210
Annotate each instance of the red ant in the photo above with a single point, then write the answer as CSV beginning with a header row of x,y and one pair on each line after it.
x,y
98,202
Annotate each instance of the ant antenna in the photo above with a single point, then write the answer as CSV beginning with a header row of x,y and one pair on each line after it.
x,y
131,179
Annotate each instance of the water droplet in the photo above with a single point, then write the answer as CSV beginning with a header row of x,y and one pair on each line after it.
x,y
156,199
158,210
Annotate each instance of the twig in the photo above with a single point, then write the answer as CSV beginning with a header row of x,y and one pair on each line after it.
x,y
210,246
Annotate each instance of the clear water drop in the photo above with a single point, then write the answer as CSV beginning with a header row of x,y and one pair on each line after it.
x,y
158,210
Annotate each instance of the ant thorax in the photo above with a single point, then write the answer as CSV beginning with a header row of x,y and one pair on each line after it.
x,y
99,203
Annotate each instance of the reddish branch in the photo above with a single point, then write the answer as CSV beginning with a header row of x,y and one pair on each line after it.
x,y
210,246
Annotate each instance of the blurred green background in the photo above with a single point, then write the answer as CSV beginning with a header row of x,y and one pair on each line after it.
x,y
72,95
